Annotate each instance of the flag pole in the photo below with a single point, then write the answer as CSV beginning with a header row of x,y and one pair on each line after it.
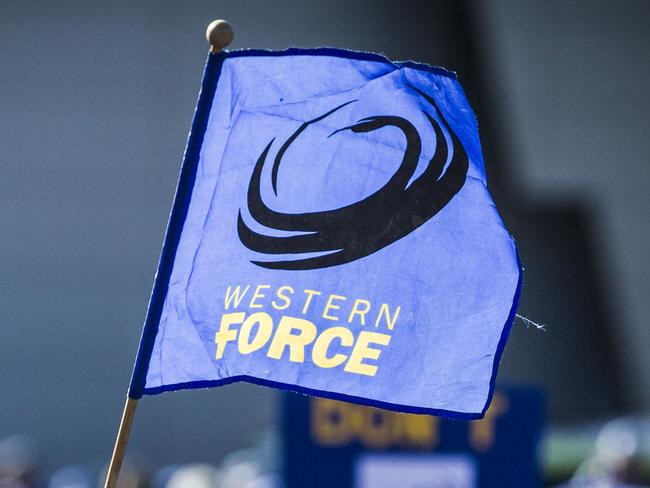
x,y
120,443
219,34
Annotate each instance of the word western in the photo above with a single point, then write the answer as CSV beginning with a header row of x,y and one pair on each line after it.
x,y
285,297
331,347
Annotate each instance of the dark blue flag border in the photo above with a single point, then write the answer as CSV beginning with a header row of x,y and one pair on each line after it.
x,y
177,217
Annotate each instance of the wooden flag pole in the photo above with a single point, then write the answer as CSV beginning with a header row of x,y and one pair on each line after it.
x,y
120,443
219,34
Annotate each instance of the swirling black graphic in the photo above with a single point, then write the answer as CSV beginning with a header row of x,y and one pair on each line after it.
x,y
357,230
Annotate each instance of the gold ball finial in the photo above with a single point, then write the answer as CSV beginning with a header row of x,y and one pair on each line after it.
x,y
219,34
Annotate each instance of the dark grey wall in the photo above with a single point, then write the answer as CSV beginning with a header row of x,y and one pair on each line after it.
x,y
95,105
573,82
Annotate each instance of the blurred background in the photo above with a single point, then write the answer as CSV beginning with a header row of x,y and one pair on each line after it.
x,y
96,100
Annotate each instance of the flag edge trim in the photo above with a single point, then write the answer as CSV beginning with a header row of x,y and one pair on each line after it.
x,y
336,52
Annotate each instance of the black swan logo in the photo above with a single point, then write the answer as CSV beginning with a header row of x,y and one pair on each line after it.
x,y
357,230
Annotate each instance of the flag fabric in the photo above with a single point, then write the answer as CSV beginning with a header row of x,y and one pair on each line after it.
x,y
332,233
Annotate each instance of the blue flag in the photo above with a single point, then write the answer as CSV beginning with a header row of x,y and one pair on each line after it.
x,y
332,233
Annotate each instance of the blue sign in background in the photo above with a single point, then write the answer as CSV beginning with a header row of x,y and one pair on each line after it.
x,y
324,440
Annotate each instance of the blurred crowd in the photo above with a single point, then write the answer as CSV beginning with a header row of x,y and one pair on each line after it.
x,y
248,468
614,454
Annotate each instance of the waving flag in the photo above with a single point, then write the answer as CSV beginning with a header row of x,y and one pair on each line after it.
x,y
332,233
